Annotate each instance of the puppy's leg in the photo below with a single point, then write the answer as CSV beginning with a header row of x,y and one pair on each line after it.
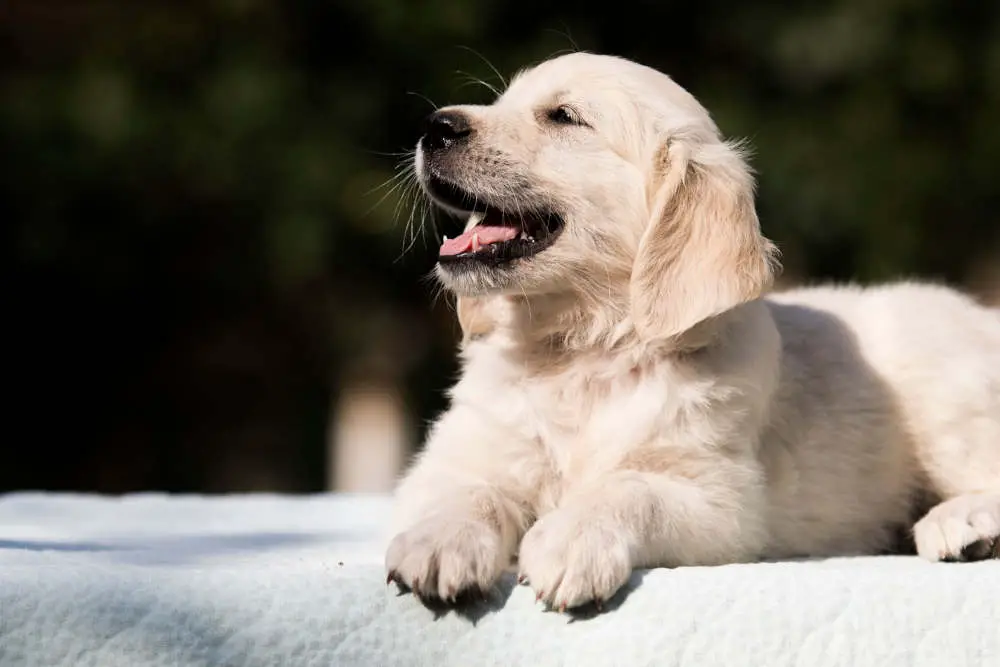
x,y
956,421
964,468
585,550
461,509
960,453
963,528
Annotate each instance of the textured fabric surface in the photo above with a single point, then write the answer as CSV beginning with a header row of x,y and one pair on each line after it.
x,y
265,580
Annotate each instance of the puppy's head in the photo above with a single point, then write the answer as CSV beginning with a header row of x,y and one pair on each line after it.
x,y
597,176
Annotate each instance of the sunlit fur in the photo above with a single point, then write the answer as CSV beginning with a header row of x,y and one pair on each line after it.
x,y
629,398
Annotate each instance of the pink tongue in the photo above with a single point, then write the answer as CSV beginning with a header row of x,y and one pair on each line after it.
x,y
487,235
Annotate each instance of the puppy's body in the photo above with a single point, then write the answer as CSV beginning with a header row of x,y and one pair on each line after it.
x,y
634,401
889,402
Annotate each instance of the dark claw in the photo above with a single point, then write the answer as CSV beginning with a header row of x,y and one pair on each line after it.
x,y
521,579
391,577
983,549
599,604
539,596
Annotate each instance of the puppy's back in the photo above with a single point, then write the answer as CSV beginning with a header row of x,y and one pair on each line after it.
x,y
931,343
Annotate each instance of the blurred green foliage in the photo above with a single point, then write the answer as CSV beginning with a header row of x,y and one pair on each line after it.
x,y
197,257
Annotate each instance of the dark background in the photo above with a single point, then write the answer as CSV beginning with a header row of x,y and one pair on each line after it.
x,y
196,268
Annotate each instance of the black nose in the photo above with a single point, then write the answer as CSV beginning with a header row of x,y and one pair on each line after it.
x,y
443,129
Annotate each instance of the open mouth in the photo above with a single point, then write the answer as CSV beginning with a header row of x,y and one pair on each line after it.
x,y
500,236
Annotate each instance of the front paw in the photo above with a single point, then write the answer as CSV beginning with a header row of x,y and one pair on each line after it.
x,y
571,559
444,558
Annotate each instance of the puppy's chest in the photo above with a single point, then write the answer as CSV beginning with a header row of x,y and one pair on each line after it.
x,y
584,424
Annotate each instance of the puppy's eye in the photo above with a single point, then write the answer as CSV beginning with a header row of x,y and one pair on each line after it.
x,y
564,115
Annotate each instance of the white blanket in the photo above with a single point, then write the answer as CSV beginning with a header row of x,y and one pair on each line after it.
x,y
266,580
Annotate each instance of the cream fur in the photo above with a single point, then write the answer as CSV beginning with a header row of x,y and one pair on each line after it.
x,y
630,398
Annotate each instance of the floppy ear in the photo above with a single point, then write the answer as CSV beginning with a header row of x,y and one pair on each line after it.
x,y
702,253
472,317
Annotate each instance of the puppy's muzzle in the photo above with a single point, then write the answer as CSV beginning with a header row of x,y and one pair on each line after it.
x,y
510,227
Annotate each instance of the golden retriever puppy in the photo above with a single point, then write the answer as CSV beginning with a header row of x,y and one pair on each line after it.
x,y
630,398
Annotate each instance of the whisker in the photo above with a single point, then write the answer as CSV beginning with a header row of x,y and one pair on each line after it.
x,y
437,291
411,190
413,195
503,81
569,38
397,181
474,80
407,153
424,210
423,97
392,180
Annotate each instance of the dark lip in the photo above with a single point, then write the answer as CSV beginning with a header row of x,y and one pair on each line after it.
x,y
543,225
449,195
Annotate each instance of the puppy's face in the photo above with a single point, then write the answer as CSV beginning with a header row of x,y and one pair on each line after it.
x,y
563,176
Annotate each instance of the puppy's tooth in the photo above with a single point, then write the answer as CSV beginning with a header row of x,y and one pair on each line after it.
x,y
475,243
446,237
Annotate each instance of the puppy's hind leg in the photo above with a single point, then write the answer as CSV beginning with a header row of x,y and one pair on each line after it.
x,y
959,453
963,528
963,467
